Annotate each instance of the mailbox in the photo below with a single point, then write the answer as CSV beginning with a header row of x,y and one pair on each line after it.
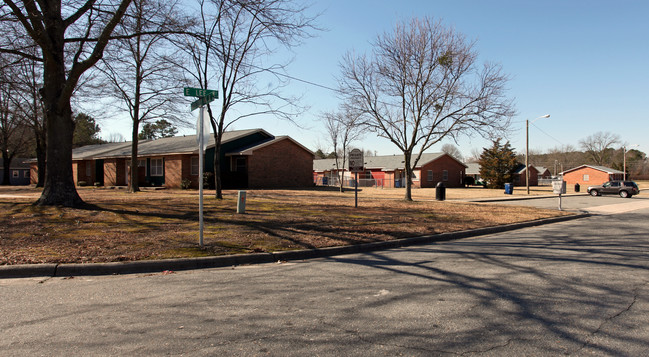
x,y
559,187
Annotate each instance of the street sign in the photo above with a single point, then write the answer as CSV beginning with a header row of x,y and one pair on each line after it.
x,y
356,159
202,101
202,130
198,92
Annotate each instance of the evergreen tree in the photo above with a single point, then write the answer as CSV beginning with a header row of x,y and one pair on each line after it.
x,y
497,164
320,155
86,131
160,129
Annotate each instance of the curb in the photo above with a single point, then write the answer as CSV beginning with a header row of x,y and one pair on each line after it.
x,y
156,266
521,198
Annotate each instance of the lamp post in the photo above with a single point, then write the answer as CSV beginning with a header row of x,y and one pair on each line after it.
x,y
624,148
527,150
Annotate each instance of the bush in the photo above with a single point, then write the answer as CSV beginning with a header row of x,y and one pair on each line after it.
x,y
185,184
208,180
82,183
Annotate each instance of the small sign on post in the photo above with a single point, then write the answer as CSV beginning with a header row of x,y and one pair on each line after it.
x,y
356,165
356,161
559,187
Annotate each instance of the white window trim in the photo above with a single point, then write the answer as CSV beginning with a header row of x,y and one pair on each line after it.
x,y
154,169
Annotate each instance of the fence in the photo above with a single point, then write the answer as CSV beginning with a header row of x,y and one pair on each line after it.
x,y
348,182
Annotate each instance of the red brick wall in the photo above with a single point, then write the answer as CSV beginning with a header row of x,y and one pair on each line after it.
x,y
595,177
115,172
280,165
520,180
454,168
174,171
110,172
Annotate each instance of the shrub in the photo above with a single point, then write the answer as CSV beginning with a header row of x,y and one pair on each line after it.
x,y
185,184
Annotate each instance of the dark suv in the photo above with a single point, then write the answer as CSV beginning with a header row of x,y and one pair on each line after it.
x,y
622,188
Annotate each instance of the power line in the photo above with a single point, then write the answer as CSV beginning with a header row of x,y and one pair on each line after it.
x,y
550,136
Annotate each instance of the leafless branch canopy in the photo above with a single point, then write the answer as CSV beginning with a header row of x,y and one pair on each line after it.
x,y
422,83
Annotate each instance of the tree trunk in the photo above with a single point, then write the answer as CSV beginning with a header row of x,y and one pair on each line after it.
x,y
217,167
408,178
6,163
59,187
40,159
133,185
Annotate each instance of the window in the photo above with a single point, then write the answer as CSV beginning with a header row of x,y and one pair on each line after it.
x,y
15,173
445,175
615,184
26,174
157,167
586,178
88,169
430,175
238,164
195,167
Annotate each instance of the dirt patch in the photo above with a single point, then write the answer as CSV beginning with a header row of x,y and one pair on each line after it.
x,y
117,226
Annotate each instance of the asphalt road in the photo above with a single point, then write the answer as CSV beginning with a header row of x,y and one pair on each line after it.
x,y
573,288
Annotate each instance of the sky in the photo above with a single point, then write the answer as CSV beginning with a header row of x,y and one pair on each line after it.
x,y
584,62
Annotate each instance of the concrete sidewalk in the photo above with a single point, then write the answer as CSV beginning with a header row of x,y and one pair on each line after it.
x,y
153,266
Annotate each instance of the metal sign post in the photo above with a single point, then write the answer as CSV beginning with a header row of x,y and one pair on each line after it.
x,y
202,133
356,165
560,188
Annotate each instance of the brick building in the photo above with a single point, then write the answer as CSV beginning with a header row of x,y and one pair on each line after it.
x,y
249,159
389,171
587,175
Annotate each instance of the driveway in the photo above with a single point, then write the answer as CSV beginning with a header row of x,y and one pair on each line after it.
x,y
574,288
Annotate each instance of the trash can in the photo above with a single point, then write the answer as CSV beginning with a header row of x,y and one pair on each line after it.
x,y
577,187
440,191
509,188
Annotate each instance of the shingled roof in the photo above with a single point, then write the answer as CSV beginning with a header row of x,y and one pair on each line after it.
x,y
173,145
385,163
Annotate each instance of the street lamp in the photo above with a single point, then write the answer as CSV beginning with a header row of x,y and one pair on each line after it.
x,y
624,148
527,150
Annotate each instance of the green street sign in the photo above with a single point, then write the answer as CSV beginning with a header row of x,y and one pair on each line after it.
x,y
198,92
203,101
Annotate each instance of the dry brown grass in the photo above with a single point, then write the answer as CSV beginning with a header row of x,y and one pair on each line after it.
x,y
117,226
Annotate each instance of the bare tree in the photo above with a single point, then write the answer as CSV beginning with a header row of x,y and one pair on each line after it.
x,y
343,128
423,84
71,37
30,108
598,147
13,132
143,78
230,51
453,151
475,155
115,138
